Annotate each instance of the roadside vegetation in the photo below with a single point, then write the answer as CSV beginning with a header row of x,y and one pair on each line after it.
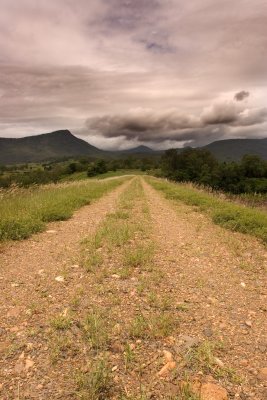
x,y
26,211
26,175
110,174
225,213
201,167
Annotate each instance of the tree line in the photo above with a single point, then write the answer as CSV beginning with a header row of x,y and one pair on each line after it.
x,y
201,167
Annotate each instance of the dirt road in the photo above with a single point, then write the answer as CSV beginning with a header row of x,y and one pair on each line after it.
x,y
200,298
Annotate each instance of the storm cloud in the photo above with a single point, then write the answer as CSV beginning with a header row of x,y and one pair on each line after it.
x,y
119,72
240,96
143,125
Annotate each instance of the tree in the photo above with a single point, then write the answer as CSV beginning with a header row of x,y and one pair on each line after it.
x,y
253,166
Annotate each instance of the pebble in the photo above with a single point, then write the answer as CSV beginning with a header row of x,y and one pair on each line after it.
x,y
208,332
60,279
218,362
248,323
29,364
212,391
262,375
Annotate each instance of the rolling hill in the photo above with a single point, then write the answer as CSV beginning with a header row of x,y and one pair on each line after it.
x,y
48,146
235,149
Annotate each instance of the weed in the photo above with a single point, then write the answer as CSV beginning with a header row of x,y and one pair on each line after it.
x,y
162,325
140,288
185,393
154,326
95,384
61,323
95,328
125,272
129,356
93,261
202,358
138,256
60,346
139,327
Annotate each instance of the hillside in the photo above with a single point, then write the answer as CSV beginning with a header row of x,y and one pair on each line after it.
x,y
61,144
139,150
47,146
235,149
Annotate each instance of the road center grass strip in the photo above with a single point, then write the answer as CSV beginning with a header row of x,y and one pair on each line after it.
x,y
225,213
24,212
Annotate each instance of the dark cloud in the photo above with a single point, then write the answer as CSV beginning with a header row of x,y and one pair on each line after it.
x,y
240,96
149,126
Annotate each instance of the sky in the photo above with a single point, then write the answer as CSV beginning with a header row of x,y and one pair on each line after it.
x,y
121,73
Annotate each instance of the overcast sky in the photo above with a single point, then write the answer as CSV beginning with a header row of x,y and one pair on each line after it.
x,y
120,73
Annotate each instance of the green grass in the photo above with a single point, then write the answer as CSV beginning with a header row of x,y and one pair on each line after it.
x,y
77,176
24,212
95,384
95,329
222,212
203,358
139,256
60,323
155,325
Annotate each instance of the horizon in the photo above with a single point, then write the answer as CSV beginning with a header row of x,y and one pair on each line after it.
x,y
132,147
126,73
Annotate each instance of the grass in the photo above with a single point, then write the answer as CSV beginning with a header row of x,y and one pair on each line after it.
x,y
129,356
157,325
140,256
119,230
186,393
95,384
61,347
77,176
24,212
61,323
95,329
222,212
202,357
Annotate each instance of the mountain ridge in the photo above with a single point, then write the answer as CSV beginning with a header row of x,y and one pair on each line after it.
x,y
62,144
47,146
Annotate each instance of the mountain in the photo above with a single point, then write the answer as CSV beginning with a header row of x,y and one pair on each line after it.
x,y
235,149
62,144
139,150
49,146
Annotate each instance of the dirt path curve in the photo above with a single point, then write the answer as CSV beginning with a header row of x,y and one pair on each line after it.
x,y
30,294
219,277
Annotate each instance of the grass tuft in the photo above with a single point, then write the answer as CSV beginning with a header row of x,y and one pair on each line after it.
x,y
95,384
